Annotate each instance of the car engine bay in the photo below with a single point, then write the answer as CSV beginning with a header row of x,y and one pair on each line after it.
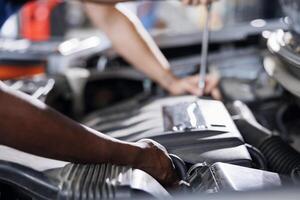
x,y
248,142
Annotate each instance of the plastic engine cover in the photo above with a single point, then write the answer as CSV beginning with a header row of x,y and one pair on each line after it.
x,y
196,130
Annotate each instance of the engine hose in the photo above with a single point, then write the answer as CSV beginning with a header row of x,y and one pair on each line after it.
x,y
257,156
281,158
180,167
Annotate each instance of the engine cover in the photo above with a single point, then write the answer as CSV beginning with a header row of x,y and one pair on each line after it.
x,y
194,129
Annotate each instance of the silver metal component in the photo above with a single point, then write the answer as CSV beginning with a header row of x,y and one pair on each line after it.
x,y
44,91
144,182
204,53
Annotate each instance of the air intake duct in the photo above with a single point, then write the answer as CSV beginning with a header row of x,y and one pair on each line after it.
x,y
280,157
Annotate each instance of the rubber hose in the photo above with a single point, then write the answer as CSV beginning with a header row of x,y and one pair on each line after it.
x,y
281,158
258,157
180,167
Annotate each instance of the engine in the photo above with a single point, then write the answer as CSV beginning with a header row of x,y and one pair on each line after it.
x,y
212,155
247,143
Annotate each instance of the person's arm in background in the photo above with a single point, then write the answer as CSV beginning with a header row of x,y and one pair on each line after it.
x,y
133,42
29,125
187,2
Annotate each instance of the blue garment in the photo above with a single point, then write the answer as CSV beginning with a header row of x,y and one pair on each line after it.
x,y
148,14
9,7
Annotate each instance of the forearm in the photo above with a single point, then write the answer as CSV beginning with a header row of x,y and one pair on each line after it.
x,y
106,1
125,30
31,126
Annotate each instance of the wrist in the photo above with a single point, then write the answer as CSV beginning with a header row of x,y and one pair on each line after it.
x,y
138,155
167,79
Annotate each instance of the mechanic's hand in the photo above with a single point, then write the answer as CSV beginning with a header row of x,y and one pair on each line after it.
x,y
154,160
189,85
197,2
212,86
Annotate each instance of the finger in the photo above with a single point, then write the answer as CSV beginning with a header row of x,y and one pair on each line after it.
x,y
175,180
193,89
205,2
170,175
211,83
172,180
216,94
162,148
194,81
186,2
196,2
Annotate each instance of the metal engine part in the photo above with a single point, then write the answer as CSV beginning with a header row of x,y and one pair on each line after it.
x,y
80,182
186,126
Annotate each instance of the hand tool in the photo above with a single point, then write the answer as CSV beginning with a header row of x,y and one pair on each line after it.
x,y
204,53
